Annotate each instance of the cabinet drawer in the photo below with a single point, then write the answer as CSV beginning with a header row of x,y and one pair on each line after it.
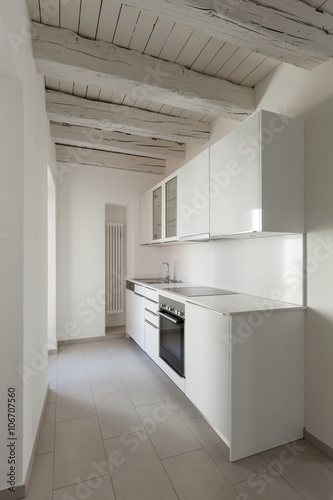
x,y
139,289
151,294
152,341
152,318
151,306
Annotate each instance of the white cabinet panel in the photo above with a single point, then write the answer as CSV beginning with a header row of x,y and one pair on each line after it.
x,y
152,342
207,365
138,319
257,178
235,182
146,218
193,197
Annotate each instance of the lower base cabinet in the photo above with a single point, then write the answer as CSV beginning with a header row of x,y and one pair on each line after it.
x,y
245,374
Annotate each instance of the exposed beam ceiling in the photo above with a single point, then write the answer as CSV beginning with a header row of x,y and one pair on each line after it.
x,y
85,137
287,30
66,108
60,53
73,157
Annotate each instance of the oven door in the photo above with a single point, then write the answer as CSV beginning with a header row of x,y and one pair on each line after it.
x,y
172,341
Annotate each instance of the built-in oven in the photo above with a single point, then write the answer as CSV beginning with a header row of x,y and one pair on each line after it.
x,y
172,323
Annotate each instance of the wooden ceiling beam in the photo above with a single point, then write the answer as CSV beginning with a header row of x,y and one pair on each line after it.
x,y
60,53
66,108
118,142
287,30
73,157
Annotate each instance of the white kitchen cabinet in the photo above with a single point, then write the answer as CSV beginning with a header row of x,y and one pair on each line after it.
x,y
146,218
130,312
152,342
138,315
245,373
257,178
193,198
157,203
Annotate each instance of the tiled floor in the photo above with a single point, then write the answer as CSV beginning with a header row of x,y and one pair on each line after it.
x,y
116,428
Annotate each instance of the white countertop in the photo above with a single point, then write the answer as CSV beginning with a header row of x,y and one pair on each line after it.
x,y
236,304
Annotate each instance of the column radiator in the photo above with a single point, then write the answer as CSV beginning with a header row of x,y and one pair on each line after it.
x,y
114,268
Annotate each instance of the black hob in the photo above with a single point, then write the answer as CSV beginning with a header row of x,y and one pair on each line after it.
x,y
197,291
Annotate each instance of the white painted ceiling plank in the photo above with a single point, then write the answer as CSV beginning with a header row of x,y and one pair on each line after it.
x,y
80,90
208,118
128,100
197,116
90,10
207,55
158,37
108,20
165,109
143,30
176,111
223,55
33,8
314,3
327,7
52,83
142,103
195,45
105,95
49,12
117,98
250,63
93,92
260,72
70,14
67,87
126,25
177,39
186,114
154,106
238,57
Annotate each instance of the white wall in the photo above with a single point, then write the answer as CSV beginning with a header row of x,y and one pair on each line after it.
x,y
52,264
82,195
27,148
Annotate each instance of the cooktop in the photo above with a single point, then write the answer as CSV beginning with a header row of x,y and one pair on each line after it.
x,y
197,291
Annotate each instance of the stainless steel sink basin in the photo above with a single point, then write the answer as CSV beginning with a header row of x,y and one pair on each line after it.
x,y
156,281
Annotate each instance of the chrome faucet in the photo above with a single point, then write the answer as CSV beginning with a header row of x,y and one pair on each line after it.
x,y
167,276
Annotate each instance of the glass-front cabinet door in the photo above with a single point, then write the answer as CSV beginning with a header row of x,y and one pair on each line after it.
x,y
157,213
171,208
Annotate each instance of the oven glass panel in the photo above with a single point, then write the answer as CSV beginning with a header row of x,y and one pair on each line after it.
x,y
172,343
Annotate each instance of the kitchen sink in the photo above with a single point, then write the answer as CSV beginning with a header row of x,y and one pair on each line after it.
x,y
156,281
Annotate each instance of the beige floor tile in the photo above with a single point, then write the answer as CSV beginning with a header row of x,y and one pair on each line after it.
x,y
98,488
72,372
96,354
325,460
310,448
52,397
185,408
74,401
116,414
136,470
105,379
219,452
40,486
78,448
167,430
117,347
195,476
46,437
52,364
128,364
311,479
158,375
270,486
142,389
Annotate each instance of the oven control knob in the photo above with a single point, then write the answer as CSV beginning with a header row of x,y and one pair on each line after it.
x,y
170,308
162,304
181,313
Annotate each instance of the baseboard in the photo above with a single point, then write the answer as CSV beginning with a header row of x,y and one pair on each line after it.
x,y
21,490
318,443
80,341
50,352
18,494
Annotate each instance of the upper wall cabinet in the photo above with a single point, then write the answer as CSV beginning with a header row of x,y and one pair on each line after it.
x,y
159,213
257,178
193,198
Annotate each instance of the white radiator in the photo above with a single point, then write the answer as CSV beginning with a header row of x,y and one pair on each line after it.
x,y
114,268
